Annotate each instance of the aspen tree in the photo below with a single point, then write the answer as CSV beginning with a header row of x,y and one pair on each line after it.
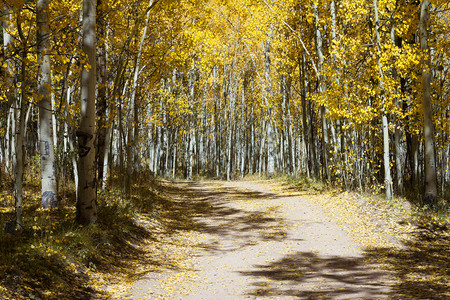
x,y
48,177
87,197
10,88
385,124
321,90
268,96
131,116
20,106
14,130
102,103
430,196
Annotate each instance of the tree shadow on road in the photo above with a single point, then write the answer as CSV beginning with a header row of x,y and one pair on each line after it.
x,y
422,267
321,277
206,208
420,270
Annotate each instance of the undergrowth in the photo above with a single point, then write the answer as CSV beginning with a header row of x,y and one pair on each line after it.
x,y
420,263
55,258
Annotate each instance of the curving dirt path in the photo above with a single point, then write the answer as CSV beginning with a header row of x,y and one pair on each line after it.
x,y
252,240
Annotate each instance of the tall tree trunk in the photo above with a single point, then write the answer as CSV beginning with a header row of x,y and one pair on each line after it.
x,y
231,108
191,138
251,152
19,108
430,196
243,125
19,163
290,136
10,123
321,90
174,159
48,178
305,130
131,115
69,132
398,134
87,196
385,124
268,96
102,103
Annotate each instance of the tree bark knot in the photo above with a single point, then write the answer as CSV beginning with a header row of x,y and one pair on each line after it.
x,y
83,140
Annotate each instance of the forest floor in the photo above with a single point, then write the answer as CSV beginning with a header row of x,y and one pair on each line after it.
x,y
270,240
253,239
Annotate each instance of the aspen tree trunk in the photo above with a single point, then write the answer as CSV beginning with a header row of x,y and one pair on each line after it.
x,y
314,165
249,136
336,141
9,136
191,141
119,142
136,148
263,137
157,150
398,159
54,127
216,124
174,159
290,134
19,108
267,94
385,124
430,196
319,52
19,119
102,103
201,139
398,134
305,127
10,130
446,168
48,177
87,196
19,156
106,155
244,140
10,122
166,136
131,115
231,121
284,131
69,132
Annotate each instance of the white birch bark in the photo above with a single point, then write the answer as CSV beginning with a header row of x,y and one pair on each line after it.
x,y
19,157
230,126
191,137
19,153
384,119
131,115
319,52
10,125
46,124
87,197
267,95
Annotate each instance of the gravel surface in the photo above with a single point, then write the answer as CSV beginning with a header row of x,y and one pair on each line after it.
x,y
254,240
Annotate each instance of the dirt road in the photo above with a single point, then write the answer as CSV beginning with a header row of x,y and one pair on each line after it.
x,y
251,240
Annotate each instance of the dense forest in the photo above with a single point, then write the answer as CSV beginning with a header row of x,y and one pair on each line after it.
x,y
354,93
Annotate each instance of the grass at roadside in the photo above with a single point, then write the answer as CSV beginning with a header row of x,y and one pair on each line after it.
x,y
410,241
54,258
